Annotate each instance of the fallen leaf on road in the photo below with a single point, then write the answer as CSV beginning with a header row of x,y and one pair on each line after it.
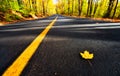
x,y
87,55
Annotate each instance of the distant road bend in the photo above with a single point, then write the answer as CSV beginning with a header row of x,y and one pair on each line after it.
x,y
51,46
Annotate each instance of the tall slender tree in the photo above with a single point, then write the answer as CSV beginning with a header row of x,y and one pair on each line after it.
x,y
114,9
68,7
89,9
43,6
79,7
73,6
95,7
109,10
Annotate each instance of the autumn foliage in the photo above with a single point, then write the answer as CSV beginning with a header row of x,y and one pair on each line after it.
x,y
11,10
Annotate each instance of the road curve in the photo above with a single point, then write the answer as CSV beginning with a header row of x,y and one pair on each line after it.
x,y
58,54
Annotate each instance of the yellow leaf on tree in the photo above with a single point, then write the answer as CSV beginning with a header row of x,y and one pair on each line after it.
x,y
87,55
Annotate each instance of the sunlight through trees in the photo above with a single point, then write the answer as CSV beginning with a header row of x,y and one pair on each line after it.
x,y
55,1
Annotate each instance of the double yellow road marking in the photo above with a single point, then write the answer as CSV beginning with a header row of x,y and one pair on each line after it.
x,y
19,64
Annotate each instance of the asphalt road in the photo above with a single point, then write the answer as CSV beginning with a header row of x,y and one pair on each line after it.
x,y
58,54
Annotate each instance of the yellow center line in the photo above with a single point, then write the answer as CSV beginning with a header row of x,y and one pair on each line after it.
x,y
19,64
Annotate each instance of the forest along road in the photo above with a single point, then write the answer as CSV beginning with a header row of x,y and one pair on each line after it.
x,y
51,47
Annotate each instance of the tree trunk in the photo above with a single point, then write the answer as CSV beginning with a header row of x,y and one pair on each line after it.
x,y
95,8
91,5
89,9
116,3
43,3
72,6
68,7
109,10
79,7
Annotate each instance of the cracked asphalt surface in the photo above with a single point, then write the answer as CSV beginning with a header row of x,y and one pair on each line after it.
x,y
58,55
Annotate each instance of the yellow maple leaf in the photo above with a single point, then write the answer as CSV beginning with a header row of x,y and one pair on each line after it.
x,y
87,55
